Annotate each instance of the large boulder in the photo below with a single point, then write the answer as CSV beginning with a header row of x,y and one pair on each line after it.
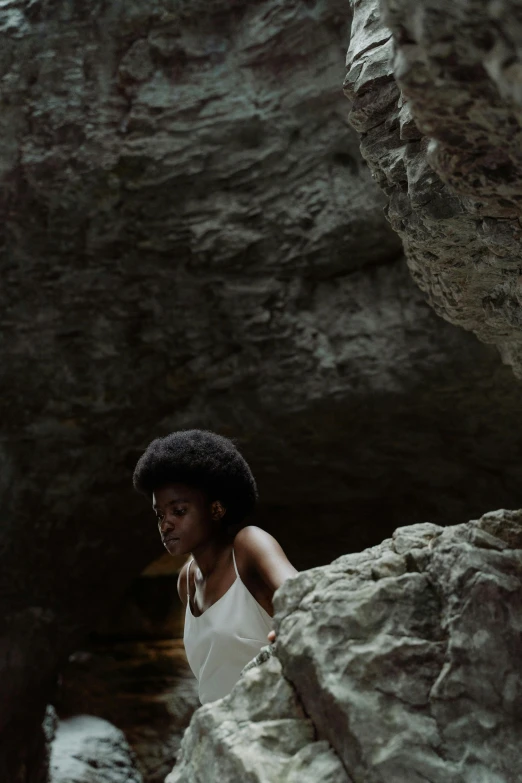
x,y
259,733
405,659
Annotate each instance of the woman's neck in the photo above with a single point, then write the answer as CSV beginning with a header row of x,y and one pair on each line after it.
x,y
213,555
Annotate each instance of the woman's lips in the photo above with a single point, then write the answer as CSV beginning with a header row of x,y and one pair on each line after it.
x,y
170,539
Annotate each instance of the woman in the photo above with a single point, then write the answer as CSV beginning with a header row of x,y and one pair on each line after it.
x,y
201,490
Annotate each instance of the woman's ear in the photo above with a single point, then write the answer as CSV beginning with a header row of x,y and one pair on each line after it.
x,y
217,510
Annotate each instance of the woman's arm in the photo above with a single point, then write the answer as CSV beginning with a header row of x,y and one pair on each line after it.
x,y
263,560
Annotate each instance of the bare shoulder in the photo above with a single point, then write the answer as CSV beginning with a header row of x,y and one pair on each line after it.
x,y
251,539
261,554
182,584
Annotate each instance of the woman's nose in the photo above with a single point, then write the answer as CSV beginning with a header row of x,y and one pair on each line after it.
x,y
167,521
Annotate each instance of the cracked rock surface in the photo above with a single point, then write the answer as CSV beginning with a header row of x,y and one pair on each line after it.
x,y
437,98
190,238
405,658
258,733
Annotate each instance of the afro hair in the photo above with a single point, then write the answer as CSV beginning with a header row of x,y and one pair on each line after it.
x,y
204,460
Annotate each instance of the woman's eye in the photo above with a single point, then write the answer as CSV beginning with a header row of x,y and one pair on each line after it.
x,y
180,511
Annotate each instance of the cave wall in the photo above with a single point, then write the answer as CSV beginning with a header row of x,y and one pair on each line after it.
x,y
190,237
132,672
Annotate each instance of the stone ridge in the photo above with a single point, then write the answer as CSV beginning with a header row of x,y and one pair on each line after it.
x,y
437,101
407,656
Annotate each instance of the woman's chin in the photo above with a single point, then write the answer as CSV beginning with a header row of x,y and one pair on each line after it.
x,y
173,546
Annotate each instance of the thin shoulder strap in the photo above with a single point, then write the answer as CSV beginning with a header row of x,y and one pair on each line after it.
x,y
188,586
235,566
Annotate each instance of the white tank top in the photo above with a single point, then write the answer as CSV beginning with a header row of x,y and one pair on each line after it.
x,y
222,640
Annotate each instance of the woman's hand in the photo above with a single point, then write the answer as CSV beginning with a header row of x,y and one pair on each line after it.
x,y
271,637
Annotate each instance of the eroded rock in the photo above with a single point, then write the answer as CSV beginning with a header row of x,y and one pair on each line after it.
x,y
407,656
189,237
436,97
259,732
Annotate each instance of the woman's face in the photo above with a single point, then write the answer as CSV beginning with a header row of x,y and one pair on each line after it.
x,y
184,517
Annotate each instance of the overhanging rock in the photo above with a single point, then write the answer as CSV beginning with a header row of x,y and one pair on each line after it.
x,y
436,98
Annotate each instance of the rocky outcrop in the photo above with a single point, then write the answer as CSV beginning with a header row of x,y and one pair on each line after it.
x,y
405,658
233,739
435,90
189,237
90,750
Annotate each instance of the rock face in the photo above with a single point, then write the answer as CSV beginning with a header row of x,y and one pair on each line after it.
x,y
437,100
405,657
190,237
235,740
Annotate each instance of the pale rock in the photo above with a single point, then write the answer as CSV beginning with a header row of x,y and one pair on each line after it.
x,y
258,733
87,749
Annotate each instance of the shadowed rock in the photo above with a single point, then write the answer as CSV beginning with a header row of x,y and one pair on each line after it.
x,y
436,97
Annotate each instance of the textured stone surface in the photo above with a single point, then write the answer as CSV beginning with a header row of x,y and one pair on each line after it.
x,y
407,656
189,237
90,750
437,98
405,659
258,733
